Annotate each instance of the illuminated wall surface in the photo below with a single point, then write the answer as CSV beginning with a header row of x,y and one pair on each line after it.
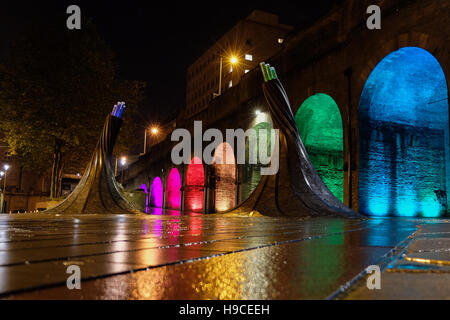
x,y
194,186
156,193
320,126
251,173
173,190
225,171
144,187
404,137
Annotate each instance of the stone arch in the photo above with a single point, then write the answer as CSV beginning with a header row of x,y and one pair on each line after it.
x,y
436,47
224,165
173,190
156,193
404,157
319,123
144,187
194,189
250,174
431,43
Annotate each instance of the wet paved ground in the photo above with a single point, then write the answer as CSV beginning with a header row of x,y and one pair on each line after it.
x,y
207,257
420,271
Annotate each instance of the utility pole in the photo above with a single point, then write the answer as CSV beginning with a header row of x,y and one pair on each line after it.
x,y
145,141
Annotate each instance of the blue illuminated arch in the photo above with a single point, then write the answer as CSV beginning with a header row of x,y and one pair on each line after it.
x,y
404,137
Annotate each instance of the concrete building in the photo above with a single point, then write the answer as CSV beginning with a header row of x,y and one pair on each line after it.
x,y
253,39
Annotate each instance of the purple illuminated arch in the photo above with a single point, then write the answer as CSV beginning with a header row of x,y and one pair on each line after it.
x,y
156,193
173,190
144,187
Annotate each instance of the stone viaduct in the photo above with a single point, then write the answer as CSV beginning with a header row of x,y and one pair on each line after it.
x,y
335,56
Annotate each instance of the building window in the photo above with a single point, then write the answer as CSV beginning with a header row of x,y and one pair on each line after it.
x,y
230,84
248,57
246,70
280,40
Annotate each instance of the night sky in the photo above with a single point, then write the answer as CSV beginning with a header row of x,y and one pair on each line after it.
x,y
155,41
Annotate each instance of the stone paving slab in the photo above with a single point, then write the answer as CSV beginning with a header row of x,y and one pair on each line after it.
x,y
422,271
407,286
424,245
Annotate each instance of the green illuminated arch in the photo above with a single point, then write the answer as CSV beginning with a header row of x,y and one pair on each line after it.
x,y
251,173
320,125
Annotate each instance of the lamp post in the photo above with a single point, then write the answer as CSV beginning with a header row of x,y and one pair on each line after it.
x,y
153,131
233,60
2,200
123,162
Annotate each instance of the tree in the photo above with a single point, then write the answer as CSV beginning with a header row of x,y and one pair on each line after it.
x,y
56,88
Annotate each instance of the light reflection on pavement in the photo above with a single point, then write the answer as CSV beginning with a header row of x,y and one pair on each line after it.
x,y
174,256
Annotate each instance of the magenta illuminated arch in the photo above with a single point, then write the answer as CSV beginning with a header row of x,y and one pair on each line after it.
x,y
144,187
156,193
173,190
194,186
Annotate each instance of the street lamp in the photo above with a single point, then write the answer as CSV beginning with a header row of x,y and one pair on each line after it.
x,y
233,60
3,174
153,131
123,162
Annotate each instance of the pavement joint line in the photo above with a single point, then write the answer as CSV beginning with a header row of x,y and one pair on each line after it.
x,y
179,262
427,261
383,262
427,271
432,250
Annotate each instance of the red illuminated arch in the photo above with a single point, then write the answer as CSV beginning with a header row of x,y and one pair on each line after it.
x,y
194,186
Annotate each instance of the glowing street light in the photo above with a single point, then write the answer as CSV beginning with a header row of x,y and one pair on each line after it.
x,y
154,130
257,112
233,60
3,174
123,161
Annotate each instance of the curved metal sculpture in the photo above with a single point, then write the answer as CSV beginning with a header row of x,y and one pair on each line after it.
x,y
297,189
98,192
